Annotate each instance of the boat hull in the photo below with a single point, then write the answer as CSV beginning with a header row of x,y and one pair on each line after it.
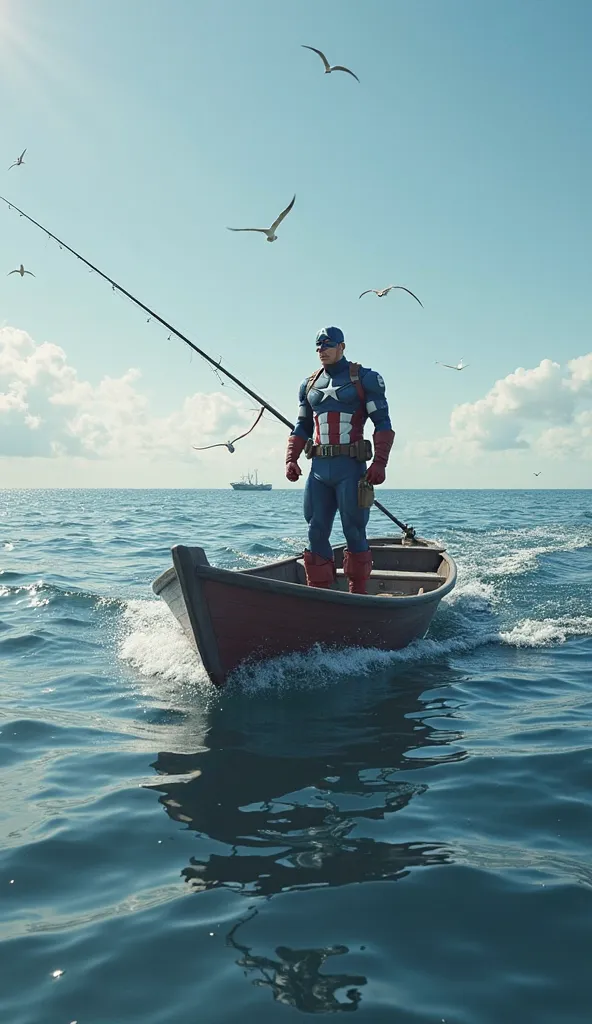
x,y
251,487
231,617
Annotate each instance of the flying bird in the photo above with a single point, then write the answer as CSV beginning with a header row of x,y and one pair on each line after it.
x,y
537,474
381,292
270,232
459,366
328,68
20,270
17,163
230,444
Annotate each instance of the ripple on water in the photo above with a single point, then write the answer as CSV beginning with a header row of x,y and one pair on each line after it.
x,y
402,835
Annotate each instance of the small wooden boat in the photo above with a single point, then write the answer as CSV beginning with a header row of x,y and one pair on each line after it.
x,y
231,616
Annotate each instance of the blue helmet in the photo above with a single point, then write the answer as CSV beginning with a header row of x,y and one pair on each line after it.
x,y
333,334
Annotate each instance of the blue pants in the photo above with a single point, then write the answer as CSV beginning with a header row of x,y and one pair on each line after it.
x,y
332,485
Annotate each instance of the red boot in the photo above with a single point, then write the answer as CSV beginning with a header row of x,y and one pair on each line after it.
x,y
320,572
357,566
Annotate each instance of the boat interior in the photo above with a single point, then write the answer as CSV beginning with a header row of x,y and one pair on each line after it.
x,y
399,568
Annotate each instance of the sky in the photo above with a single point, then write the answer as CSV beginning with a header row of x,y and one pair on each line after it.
x,y
459,166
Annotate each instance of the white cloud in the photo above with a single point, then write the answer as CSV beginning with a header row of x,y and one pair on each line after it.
x,y
13,400
45,409
581,372
546,408
575,439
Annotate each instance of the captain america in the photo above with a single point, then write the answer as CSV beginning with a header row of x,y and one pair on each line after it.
x,y
335,403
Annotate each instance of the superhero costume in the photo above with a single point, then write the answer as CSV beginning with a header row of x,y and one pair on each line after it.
x,y
334,405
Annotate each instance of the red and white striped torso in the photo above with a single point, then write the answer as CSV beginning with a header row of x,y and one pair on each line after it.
x,y
334,427
338,412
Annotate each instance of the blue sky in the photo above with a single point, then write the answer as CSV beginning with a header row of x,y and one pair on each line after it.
x,y
459,167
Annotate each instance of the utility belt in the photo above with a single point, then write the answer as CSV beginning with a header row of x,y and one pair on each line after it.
x,y
360,450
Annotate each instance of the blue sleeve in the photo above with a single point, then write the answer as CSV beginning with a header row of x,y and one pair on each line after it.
x,y
376,403
304,426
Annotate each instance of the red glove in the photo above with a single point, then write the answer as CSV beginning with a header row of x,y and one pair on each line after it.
x,y
383,442
376,473
293,452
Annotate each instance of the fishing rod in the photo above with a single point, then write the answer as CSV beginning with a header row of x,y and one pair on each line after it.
x,y
217,364
173,330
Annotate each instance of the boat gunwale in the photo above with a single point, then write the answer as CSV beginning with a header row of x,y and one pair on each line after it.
x,y
162,581
248,579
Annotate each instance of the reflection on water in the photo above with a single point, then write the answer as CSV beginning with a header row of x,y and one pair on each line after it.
x,y
278,806
364,860
295,978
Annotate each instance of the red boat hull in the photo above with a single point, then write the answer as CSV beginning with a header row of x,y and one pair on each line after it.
x,y
236,616
263,627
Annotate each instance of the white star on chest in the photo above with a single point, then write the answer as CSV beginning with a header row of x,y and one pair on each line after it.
x,y
330,390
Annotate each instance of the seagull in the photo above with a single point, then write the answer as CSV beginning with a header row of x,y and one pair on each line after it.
x,y
270,232
384,291
20,270
20,161
537,474
230,444
459,366
328,68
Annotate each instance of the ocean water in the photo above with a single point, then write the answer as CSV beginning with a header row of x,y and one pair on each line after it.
x,y
405,836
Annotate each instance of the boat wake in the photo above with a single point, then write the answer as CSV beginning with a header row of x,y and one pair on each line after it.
x,y
508,552
153,644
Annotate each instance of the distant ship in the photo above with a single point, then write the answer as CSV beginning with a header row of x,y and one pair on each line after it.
x,y
247,483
